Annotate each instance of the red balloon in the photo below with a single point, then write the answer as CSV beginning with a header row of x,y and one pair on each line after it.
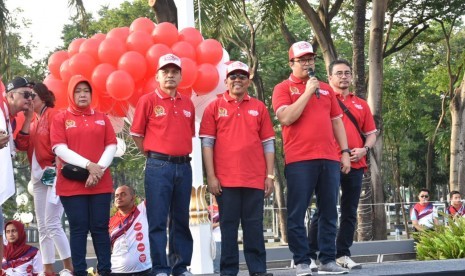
x,y
106,103
139,41
150,85
207,79
165,33
120,109
54,62
183,49
110,50
95,99
65,74
59,89
99,36
134,63
90,46
153,55
73,47
136,95
82,64
2,86
120,85
121,33
142,24
191,35
100,75
189,72
209,51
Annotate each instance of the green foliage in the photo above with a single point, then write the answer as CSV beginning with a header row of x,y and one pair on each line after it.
x,y
445,242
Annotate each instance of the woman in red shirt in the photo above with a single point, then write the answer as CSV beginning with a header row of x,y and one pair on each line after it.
x,y
48,208
85,139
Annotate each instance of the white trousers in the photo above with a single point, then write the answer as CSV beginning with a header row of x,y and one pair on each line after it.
x,y
51,232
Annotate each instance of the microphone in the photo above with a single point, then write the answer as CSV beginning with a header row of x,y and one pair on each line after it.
x,y
311,74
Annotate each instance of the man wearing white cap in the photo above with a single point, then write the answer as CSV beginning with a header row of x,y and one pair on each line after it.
x,y
162,129
312,123
238,152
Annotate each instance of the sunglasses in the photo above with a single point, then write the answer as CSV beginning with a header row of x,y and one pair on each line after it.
x,y
424,196
27,94
240,76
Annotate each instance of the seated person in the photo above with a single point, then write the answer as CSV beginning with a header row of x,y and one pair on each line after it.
x,y
20,259
456,208
129,235
423,214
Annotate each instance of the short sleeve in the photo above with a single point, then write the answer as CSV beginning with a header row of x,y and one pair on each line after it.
x,y
208,124
57,130
140,119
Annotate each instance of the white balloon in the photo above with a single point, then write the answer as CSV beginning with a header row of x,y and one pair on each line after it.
x,y
30,188
22,199
26,217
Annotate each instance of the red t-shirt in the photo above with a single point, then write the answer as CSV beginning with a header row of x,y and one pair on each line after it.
x,y
165,122
87,135
362,113
38,139
311,136
239,128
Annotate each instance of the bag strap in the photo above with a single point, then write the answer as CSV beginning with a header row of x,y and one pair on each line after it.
x,y
351,118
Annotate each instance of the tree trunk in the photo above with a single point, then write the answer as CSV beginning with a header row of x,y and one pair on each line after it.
x,y
365,209
166,11
279,196
358,59
457,147
375,92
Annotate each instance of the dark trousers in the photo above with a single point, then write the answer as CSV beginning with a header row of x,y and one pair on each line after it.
x,y
89,213
351,186
245,206
304,177
168,189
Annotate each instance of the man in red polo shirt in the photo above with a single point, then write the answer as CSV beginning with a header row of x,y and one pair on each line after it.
x,y
311,119
162,129
238,152
340,79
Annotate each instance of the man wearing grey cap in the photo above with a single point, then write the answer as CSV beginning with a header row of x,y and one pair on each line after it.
x,y
17,97
162,128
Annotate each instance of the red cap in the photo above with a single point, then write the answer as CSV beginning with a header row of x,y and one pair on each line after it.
x,y
299,49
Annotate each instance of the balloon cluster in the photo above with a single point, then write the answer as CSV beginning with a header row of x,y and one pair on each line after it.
x,y
121,65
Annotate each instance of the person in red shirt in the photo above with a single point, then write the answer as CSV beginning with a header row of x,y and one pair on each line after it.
x,y
456,208
18,97
312,123
162,128
340,79
47,206
85,138
238,153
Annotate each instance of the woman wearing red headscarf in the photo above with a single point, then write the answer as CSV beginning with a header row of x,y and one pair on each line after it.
x,y
84,138
18,257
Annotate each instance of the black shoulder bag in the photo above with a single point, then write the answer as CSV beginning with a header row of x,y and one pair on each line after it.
x,y
352,119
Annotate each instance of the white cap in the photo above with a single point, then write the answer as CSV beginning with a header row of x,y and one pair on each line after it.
x,y
299,49
169,59
237,66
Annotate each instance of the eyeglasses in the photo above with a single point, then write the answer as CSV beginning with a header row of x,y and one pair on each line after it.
x,y
340,74
240,76
27,94
424,196
305,61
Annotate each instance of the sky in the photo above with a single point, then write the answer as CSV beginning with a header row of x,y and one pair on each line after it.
x,y
47,19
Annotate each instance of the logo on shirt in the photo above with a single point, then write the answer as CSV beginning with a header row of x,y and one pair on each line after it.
x,y
222,112
29,269
324,92
138,226
159,111
70,124
294,90
358,106
188,114
253,113
100,122
141,247
142,258
139,236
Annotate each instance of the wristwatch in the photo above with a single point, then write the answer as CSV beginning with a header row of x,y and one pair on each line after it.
x,y
345,150
271,176
368,149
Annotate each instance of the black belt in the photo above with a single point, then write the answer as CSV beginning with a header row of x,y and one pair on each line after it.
x,y
169,158
141,273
